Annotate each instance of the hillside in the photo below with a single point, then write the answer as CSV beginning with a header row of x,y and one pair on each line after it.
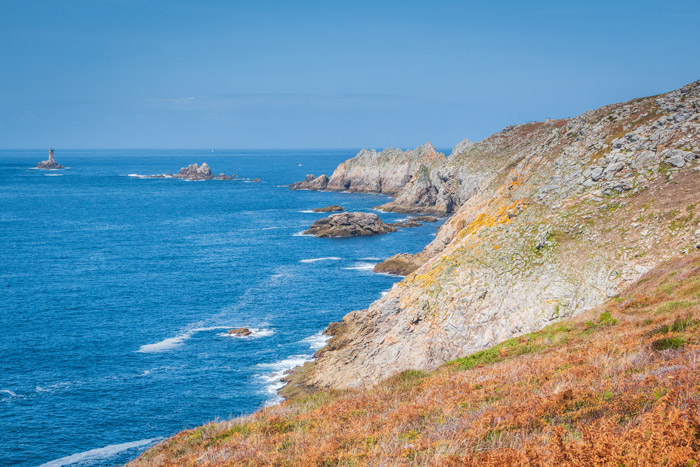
x,y
553,219
552,321
618,385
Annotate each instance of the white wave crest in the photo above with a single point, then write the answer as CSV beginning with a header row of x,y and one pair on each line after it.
x,y
301,234
8,392
370,258
361,267
313,260
278,370
174,342
89,457
317,340
53,175
137,176
254,334
307,211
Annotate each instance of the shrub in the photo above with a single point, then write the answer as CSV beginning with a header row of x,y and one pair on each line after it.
x,y
667,343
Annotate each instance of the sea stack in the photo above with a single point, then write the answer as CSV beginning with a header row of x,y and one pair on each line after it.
x,y
50,163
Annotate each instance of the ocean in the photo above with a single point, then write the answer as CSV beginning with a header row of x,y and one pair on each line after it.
x,y
118,291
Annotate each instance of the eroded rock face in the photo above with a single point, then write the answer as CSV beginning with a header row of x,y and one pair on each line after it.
x,y
550,219
349,224
240,332
311,182
386,172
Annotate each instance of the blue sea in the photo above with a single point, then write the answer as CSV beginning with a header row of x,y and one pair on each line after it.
x,y
116,293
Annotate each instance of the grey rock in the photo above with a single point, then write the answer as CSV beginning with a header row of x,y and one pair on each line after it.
x,y
349,224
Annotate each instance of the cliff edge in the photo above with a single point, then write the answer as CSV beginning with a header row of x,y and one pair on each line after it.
x,y
550,219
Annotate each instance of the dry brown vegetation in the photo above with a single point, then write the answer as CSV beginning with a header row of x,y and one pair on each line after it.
x,y
618,386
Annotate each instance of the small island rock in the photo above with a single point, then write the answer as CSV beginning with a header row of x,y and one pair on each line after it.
x,y
194,172
256,180
349,224
333,208
240,332
50,163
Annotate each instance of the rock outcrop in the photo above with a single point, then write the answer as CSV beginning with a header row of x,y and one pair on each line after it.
x,y
240,332
401,264
550,219
332,208
385,172
49,165
349,224
193,172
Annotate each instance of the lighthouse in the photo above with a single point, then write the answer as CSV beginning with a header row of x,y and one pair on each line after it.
x,y
51,155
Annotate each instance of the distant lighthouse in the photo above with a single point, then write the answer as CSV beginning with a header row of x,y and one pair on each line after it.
x,y
50,164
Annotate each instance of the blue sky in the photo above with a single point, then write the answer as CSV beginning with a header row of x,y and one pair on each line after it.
x,y
302,74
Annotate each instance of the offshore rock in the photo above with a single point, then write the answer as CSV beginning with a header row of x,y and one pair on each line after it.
x,y
349,224
240,332
194,172
332,208
49,165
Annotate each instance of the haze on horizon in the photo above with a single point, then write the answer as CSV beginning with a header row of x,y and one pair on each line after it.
x,y
272,74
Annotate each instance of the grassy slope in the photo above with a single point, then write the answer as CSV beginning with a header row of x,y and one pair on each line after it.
x,y
616,386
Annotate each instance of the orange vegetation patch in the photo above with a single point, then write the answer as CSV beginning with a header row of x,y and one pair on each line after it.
x,y
618,386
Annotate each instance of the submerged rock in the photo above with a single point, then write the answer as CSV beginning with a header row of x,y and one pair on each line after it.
x,y
409,223
240,332
333,208
256,180
423,219
349,224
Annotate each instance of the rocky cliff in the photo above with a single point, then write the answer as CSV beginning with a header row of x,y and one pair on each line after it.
x,y
370,171
550,219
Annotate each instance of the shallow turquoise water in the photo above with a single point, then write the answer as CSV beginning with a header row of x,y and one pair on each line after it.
x,y
116,293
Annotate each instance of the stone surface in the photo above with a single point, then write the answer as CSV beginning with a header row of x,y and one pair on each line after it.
x,y
401,264
349,224
332,208
194,172
240,332
49,165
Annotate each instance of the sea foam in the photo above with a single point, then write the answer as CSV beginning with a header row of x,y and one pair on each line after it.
x,y
361,267
174,342
254,334
313,260
89,457
317,340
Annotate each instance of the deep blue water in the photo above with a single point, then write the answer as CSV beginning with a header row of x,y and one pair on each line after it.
x,y
116,293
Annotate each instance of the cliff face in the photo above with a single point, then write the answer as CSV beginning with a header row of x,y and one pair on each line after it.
x,y
550,220
370,171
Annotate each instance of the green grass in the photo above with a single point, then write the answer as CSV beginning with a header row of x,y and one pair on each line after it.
x,y
667,343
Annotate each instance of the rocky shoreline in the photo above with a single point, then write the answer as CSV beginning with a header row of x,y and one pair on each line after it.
x,y
549,219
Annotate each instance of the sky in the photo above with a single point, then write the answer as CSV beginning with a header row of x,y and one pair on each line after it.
x,y
326,74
